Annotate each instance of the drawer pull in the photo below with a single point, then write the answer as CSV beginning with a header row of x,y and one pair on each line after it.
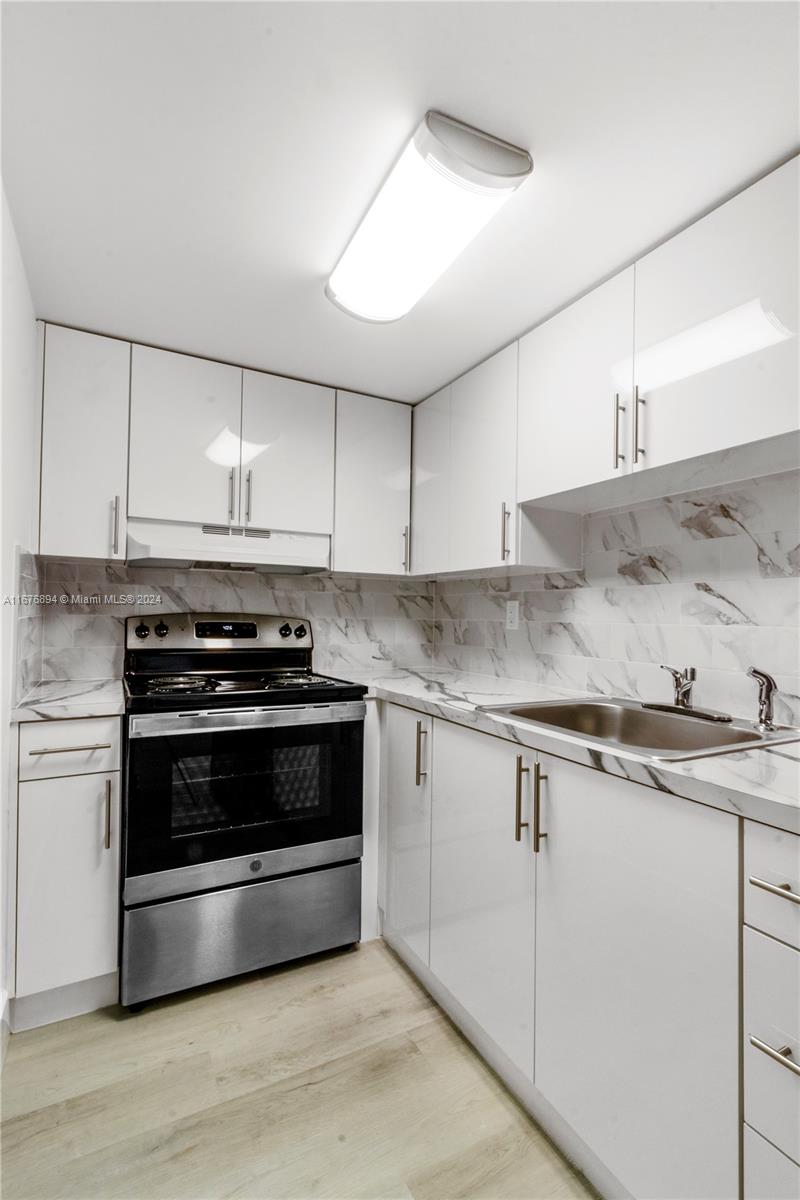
x,y
107,841
781,1056
71,749
776,889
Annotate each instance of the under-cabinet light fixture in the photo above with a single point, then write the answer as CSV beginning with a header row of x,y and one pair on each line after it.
x,y
446,185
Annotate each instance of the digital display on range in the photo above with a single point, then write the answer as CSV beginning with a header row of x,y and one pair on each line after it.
x,y
225,629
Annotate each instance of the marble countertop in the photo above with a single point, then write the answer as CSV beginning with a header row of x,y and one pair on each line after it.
x,y
60,699
763,785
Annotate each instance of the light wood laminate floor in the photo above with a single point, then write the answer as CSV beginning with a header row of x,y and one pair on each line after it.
x,y
334,1077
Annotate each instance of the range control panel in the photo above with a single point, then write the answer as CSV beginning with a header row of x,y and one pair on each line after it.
x,y
216,631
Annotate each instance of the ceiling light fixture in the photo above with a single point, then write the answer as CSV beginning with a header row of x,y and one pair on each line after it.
x,y
446,185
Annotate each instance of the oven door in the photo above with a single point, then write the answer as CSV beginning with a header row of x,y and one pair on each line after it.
x,y
214,798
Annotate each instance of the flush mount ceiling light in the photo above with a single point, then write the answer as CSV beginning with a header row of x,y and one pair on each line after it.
x,y
446,185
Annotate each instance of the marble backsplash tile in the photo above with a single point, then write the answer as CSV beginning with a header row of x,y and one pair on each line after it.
x,y
709,579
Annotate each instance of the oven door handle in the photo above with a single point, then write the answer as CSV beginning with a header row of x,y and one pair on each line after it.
x,y
177,724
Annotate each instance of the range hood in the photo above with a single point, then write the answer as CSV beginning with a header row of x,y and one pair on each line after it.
x,y
163,544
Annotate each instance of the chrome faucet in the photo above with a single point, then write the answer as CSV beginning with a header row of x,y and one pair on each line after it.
x,y
767,687
684,682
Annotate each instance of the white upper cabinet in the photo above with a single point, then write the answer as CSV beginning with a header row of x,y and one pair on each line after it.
x,y
287,454
431,483
184,439
483,466
482,883
373,477
84,444
716,327
575,386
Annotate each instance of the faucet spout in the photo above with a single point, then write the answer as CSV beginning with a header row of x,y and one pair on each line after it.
x,y
683,682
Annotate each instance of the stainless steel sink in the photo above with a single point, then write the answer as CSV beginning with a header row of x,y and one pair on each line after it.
x,y
627,725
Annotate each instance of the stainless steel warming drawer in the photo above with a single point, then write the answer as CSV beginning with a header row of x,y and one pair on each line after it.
x,y
180,944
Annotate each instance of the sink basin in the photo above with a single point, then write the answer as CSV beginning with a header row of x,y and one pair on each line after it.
x,y
627,725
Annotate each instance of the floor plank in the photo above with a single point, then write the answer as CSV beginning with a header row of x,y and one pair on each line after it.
x,y
336,1078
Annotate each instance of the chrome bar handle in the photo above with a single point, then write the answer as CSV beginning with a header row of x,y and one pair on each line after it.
x,y
784,890
70,749
108,815
505,513
637,400
115,539
618,408
519,824
419,774
782,1056
538,778
248,483
406,549
230,493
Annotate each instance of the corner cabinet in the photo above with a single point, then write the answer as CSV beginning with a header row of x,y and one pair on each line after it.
x,y
84,480
430,520
373,465
407,813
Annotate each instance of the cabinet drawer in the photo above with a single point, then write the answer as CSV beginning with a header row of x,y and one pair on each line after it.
x,y
772,1022
74,747
772,881
768,1174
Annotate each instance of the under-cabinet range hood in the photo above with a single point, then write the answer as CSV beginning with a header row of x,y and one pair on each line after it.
x,y
162,544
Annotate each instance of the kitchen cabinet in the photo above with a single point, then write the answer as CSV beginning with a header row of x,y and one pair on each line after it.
x,y
84,473
67,880
768,1174
716,362
287,454
184,438
407,808
431,484
575,388
482,883
482,478
772,882
373,481
637,970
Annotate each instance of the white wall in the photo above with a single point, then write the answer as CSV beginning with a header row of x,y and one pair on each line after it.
x,y
19,432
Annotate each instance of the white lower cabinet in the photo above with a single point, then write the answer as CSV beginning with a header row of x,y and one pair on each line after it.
x,y
67,880
637,980
407,801
768,1174
482,884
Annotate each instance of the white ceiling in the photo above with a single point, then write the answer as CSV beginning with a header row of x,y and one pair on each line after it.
x,y
187,174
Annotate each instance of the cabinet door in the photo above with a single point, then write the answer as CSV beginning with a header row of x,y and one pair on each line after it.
x,y
84,444
482,884
431,484
408,827
185,443
373,482
67,881
716,327
287,454
483,464
637,980
575,385
768,1174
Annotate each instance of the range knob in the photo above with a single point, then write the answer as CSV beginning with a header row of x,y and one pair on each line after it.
x,y
161,630
300,631
142,630
285,630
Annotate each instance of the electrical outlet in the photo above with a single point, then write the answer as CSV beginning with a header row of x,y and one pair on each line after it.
x,y
512,614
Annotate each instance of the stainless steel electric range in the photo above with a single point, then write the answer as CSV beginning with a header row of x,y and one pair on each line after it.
x,y
242,800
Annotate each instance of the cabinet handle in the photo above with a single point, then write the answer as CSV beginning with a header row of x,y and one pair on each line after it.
x,y
637,400
71,749
108,815
406,557
781,1056
115,540
230,493
519,824
505,513
419,774
248,482
784,890
618,408
538,777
